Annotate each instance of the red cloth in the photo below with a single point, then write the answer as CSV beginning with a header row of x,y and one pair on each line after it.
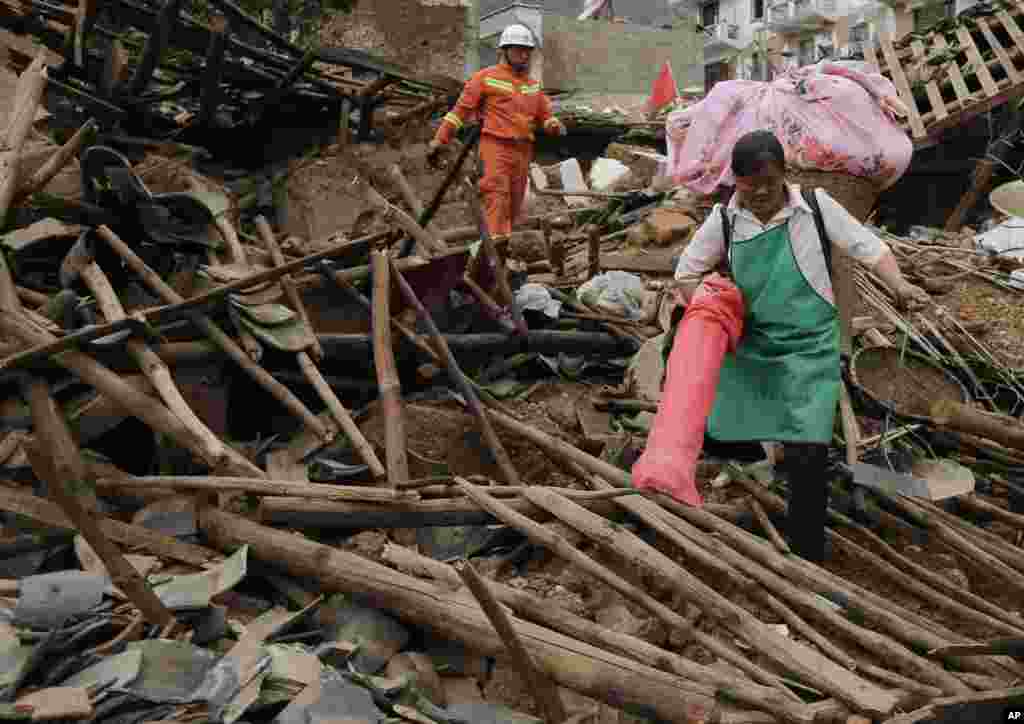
x,y
663,90
711,326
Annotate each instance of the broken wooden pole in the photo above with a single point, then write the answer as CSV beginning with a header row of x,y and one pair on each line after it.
x,y
899,623
488,253
309,369
544,692
429,244
461,382
561,450
51,463
810,665
28,94
961,418
303,512
767,526
291,293
388,384
563,548
56,163
107,382
928,584
218,456
981,179
216,335
402,184
607,677
213,71
723,684
131,536
261,486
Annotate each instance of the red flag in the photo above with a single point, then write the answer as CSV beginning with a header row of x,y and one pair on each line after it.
x,y
664,90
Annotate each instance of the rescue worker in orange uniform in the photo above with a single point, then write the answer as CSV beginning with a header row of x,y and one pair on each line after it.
x,y
513,108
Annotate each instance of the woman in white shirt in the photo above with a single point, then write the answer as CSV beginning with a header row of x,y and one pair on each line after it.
x,y
782,383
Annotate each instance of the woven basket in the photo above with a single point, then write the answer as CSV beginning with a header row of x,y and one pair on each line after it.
x,y
858,196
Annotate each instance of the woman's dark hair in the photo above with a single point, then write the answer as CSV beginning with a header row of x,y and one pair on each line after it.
x,y
754,150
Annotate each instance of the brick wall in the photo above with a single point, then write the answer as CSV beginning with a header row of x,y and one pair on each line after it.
x,y
425,35
604,57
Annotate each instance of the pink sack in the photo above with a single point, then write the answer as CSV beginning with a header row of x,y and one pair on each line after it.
x,y
711,326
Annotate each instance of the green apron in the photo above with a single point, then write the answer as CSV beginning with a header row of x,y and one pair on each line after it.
x,y
782,383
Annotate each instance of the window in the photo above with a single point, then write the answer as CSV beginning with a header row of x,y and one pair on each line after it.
x,y
859,33
933,12
757,9
709,14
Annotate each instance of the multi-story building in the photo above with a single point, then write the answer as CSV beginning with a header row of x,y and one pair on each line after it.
x,y
751,38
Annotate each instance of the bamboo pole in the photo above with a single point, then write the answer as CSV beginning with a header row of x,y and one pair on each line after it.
x,y
810,665
544,692
561,547
947,534
561,450
261,486
216,335
933,586
461,381
392,407
488,249
725,685
218,455
613,679
309,368
896,621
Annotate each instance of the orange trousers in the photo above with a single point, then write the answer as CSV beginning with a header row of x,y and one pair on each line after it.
x,y
503,185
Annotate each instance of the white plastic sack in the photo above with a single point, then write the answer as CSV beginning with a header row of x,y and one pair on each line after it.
x,y
536,297
1007,239
617,292
607,173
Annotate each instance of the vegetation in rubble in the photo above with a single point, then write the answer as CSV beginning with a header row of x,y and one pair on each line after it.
x,y
297,20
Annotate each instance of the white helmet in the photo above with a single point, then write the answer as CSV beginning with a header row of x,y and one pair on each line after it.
x,y
517,35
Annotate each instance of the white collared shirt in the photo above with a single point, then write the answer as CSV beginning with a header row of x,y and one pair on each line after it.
x,y
707,247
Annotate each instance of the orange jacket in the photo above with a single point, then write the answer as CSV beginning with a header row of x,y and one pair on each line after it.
x,y
512,106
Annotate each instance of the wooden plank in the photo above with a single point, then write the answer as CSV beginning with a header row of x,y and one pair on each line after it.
x,y
978,64
1012,29
900,79
959,86
871,56
931,87
1000,51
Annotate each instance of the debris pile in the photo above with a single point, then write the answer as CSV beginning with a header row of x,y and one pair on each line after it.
x,y
251,476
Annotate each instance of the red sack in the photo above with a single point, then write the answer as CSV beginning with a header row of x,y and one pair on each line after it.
x,y
711,326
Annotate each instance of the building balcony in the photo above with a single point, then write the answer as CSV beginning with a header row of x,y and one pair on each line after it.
x,y
722,36
794,16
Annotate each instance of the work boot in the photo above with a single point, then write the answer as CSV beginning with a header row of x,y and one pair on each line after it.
x,y
806,468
